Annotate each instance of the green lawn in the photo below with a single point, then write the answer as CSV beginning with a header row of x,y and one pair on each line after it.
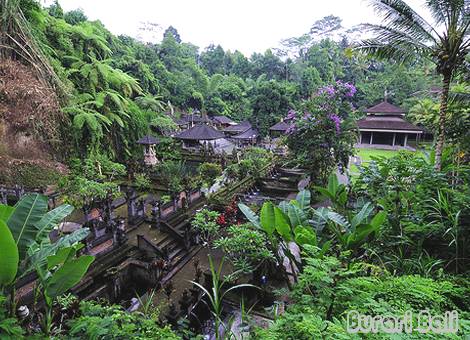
x,y
366,156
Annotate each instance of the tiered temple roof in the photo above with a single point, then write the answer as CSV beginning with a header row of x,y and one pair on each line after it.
x,y
239,128
249,134
281,126
223,120
386,117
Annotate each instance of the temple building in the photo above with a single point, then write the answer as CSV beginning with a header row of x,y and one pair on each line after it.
x,y
279,129
249,137
385,124
234,130
200,135
149,142
222,122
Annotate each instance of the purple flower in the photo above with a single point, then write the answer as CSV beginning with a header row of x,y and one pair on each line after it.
x,y
335,119
306,116
329,90
351,90
290,115
291,129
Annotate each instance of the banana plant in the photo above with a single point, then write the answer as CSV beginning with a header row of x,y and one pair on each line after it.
x,y
353,231
286,223
24,239
63,271
10,259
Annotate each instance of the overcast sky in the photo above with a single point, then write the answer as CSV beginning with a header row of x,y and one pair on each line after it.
x,y
246,25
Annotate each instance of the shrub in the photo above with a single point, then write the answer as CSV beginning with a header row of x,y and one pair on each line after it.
x,y
205,222
209,172
113,322
245,246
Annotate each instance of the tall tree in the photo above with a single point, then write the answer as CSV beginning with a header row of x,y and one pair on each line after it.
x,y
405,34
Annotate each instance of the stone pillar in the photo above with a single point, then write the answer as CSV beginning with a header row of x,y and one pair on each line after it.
x,y
371,137
119,233
175,202
156,213
94,228
394,137
131,202
19,191
3,196
188,197
108,210
141,208
406,139
87,211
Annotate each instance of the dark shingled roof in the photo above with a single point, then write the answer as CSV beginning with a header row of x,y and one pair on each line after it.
x,y
248,134
386,108
386,123
200,132
223,120
148,140
242,127
281,126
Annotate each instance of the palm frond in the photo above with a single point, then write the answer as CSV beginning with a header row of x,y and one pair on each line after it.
x,y
397,14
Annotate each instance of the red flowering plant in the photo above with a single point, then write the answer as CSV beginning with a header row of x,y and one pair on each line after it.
x,y
321,137
221,220
231,211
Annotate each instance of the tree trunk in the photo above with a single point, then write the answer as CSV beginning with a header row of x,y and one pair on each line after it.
x,y
442,119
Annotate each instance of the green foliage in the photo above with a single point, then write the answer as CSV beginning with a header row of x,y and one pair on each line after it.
x,y
253,160
142,182
246,247
91,179
205,221
217,293
9,326
24,220
331,287
163,124
10,258
322,137
209,172
75,17
302,323
27,246
423,211
98,321
63,271
173,175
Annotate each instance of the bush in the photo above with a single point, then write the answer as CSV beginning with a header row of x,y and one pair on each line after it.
x,y
209,172
245,246
205,222
302,324
113,322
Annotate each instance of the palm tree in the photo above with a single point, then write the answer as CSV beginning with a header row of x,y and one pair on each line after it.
x,y
404,35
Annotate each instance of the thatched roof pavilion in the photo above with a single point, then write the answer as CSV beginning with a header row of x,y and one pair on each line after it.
x,y
237,129
385,124
200,132
148,140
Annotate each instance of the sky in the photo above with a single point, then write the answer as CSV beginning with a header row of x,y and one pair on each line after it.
x,y
247,25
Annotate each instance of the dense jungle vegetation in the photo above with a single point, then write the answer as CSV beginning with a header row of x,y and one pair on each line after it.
x,y
115,86
392,239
